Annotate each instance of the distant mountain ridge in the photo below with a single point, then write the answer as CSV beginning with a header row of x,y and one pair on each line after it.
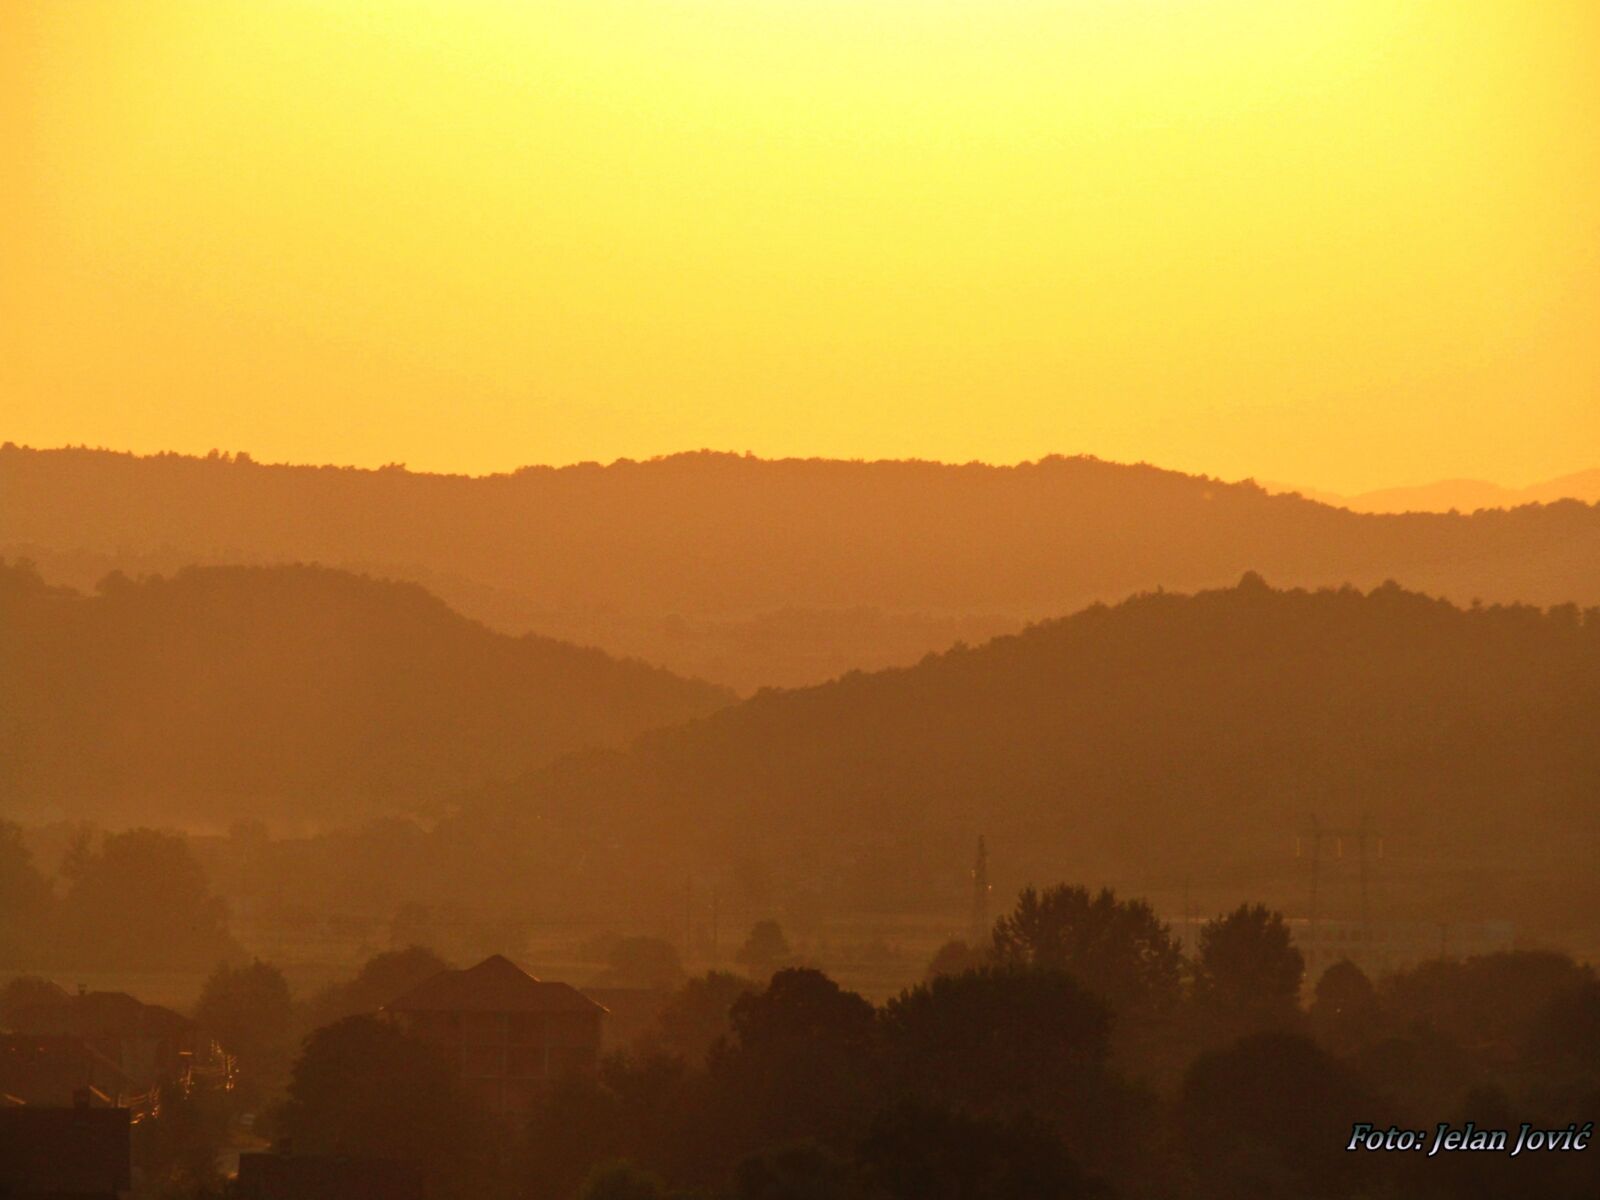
x,y
1462,495
298,694
787,572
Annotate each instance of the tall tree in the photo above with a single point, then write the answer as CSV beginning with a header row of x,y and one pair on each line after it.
x,y
798,1064
142,900
1117,949
918,1152
364,1088
765,948
1010,1042
645,1110
698,1015
794,1171
381,979
249,1010
1270,1116
1344,1013
956,956
25,900
998,1039
1248,972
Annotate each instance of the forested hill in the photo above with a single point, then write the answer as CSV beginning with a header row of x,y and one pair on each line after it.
x,y
1170,737
773,572
289,692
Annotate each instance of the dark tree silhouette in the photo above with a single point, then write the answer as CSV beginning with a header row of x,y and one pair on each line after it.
x,y
576,1131
1494,997
802,1007
765,948
995,1083
1344,1013
999,1039
25,900
249,1010
381,979
1247,974
956,956
1117,949
644,1110
797,1171
142,900
364,1088
1270,1117
177,1154
1564,1037
798,1065
622,1181
917,1152
698,1015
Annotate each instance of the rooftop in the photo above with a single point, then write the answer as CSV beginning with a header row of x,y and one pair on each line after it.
x,y
495,985
101,1014
51,1068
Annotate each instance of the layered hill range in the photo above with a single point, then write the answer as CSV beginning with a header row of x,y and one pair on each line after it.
x,y
752,572
303,695
1169,741
1462,495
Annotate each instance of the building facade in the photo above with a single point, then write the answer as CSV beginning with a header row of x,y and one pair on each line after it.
x,y
507,1033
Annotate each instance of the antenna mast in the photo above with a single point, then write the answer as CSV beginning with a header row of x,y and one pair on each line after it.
x,y
980,894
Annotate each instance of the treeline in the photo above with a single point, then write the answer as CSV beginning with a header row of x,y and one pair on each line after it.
x,y
1077,1053
289,693
134,900
675,559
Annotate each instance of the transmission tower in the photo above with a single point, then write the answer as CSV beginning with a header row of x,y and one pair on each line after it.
x,y
1368,845
980,894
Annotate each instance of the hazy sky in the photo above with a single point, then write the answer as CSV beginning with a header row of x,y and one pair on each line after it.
x,y
1340,244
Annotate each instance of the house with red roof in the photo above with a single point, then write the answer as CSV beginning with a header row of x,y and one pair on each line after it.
x,y
510,1034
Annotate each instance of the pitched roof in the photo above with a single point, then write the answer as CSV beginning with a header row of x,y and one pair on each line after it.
x,y
50,1068
495,985
101,1014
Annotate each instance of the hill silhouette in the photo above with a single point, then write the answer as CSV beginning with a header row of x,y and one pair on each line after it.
x,y
1465,495
289,692
1170,737
758,572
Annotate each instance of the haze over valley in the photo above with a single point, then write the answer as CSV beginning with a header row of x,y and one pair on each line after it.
x,y
799,600
753,573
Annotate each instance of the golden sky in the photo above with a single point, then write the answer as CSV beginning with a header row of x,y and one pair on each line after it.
x,y
1340,244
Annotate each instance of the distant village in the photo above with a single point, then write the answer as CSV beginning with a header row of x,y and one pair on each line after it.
x,y
79,1071
87,1076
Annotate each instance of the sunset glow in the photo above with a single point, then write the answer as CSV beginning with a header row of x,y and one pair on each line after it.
x,y
1345,245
